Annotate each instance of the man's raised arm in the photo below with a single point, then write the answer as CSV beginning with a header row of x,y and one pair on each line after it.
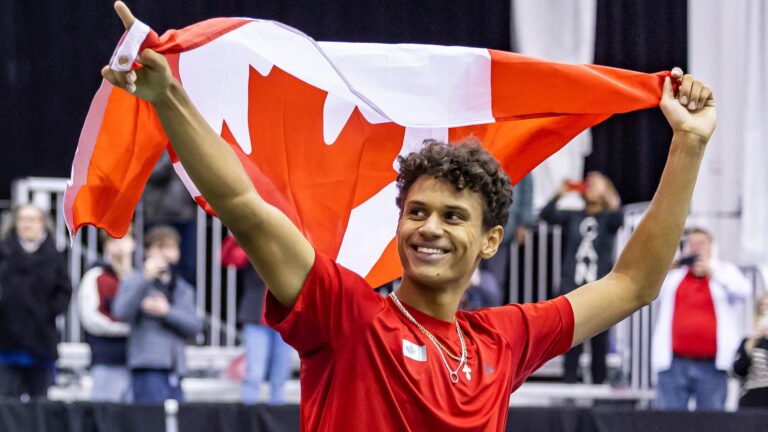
x,y
278,250
637,276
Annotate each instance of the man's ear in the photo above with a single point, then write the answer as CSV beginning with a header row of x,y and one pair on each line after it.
x,y
493,238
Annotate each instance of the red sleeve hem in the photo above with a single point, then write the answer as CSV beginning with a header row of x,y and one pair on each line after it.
x,y
279,316
566,314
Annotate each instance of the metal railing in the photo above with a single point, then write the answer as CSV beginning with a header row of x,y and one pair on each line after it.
x,y
535,276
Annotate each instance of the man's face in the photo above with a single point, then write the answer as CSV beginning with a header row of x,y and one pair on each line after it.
x,y
595,187
168,250
120,247
30,225
699,244
440,236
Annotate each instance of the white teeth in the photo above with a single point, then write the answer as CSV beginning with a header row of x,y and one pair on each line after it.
x,y
430,250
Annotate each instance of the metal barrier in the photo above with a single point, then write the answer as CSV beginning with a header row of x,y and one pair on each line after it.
x,y
535,276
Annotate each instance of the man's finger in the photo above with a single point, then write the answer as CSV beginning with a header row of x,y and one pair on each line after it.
x,y
113,77
150,59
666,91
684,93
125,14
677,73
693,102
704,97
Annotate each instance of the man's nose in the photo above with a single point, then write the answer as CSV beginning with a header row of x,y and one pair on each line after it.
x,y
432,226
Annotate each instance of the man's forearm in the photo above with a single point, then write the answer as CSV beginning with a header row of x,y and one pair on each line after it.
x,y
649,252
207,158
277,249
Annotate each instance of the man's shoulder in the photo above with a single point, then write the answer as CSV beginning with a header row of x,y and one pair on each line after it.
x,y
91,275
183,285
723,266
676,274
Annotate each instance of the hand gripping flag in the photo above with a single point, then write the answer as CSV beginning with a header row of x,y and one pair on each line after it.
x,y
318,126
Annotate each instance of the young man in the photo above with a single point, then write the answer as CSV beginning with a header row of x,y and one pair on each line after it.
x,y
106,336
410,361
159,305
589,237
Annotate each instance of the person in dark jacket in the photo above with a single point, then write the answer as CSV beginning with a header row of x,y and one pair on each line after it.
x,y
751,363
34,289
167,202
159,305
106,336
589,238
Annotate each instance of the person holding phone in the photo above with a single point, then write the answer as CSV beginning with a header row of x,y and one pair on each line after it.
x,y
751,363
589,239
159,305
107,337
696,335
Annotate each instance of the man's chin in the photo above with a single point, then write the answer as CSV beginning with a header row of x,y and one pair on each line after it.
x,y
429,275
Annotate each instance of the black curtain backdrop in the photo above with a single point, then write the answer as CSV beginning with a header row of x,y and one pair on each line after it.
x,y
52,53
647,36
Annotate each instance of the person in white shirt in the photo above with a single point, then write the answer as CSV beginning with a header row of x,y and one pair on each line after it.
x,y
697,334
106,336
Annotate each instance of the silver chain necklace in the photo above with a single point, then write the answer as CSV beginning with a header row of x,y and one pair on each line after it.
x,y
452,374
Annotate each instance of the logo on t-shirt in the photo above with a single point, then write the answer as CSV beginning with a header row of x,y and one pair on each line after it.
x,y
416,352
586,255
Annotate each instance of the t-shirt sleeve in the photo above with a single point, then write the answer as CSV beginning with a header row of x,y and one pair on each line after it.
x,y
536,332
333,304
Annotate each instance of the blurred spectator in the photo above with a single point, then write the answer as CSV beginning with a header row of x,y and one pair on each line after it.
x,y
159,305
697,333
106,336
34,289
751,362
588,254
266,355
520,218
167,202
483,292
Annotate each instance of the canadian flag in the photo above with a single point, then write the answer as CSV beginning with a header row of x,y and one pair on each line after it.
x,y
318,126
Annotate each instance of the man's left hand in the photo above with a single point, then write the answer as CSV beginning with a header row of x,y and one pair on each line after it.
x,y
155,305
692,110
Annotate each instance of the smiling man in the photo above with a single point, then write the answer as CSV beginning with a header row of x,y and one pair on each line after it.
x,y
411,362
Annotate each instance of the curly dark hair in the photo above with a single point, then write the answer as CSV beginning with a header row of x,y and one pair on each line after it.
x,y
464,165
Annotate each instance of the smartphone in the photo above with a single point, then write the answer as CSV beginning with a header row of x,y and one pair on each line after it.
x,y
688,260
580,187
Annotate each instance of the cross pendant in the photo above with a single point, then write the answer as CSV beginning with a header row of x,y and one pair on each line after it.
x,y
467,371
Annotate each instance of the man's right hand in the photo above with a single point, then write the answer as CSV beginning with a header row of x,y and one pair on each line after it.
x,y
152,80
701,268
154,266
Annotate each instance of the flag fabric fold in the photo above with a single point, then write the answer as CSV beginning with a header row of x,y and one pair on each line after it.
x,y
318,126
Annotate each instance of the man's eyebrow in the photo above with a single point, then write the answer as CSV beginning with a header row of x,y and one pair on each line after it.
x,y
415,202
451,207
457,208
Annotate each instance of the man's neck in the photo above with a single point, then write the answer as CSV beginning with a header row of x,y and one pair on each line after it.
x,y
593,207
31,246
439,303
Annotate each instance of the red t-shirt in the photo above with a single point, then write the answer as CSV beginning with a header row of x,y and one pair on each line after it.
x,y
355,375
694,323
